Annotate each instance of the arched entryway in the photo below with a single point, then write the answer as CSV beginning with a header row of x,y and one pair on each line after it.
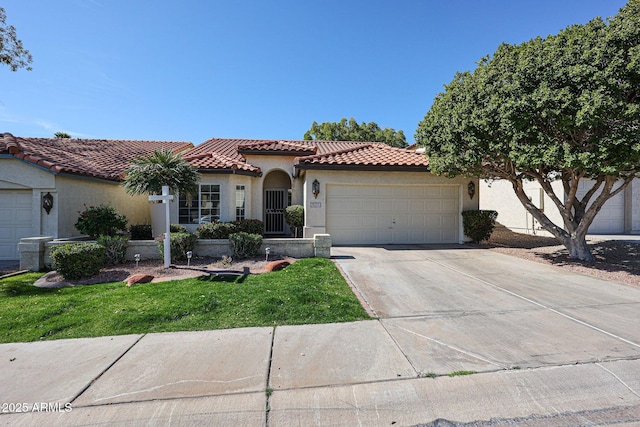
x,y
277,187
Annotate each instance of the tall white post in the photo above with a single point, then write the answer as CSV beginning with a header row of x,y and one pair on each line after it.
x,y
167,223
166,198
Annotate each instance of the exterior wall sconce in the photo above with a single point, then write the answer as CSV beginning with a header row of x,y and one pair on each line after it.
x,y
471,189
47,202
315,188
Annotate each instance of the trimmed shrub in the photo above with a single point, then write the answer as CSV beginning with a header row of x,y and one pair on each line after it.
x,y
294,215
251,226
181,243
216,230
100,220
479,225
244,245
141,232
78,260
177,228
115,249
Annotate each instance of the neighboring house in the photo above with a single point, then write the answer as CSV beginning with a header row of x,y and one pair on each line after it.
x,y
619,215
358,192
70,173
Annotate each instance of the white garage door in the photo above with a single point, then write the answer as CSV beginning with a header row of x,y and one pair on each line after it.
x,y
610,219
15,221
374,214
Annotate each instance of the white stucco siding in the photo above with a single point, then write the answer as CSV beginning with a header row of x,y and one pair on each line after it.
x,y
269,163
499,196
75,193
399,183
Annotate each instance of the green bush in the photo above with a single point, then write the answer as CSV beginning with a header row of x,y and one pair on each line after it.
x,y
216,230
181,243
251,226
244,245
479,225
115,249
78,260
100,220
177,228
294,215
141,232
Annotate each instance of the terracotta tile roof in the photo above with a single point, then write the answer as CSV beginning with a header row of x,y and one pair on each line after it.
x,y
208,162
98,158
229,146
366,157
277,148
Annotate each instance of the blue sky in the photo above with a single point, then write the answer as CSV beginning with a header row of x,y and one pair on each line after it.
x,y
192,70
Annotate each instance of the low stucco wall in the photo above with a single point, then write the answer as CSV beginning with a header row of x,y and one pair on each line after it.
x,y
35,251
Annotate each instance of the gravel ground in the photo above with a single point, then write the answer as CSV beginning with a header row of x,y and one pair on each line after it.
x,y
120,272
615,260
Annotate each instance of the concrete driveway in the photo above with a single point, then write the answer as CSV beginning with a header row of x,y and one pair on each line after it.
x,y
460,309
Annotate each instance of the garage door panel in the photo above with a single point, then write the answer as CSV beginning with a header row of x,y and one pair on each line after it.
x,y
400,205
401,192
403,214
15,220
369,205
379,191
610,219
449,206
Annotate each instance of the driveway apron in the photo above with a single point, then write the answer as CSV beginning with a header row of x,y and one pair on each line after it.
x,y
454,308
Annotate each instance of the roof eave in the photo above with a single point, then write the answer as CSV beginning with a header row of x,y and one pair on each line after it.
x,y
384,168
276,153
229,171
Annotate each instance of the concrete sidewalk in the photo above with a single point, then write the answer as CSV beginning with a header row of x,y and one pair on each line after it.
x,y
335,374
464,335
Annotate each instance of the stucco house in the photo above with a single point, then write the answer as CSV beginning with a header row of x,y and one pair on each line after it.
x,y
44,182
358,192
619,215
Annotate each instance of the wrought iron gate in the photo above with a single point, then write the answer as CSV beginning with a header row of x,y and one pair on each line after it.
x,y
275,202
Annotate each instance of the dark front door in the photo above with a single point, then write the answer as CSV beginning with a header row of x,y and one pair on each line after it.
x,y
275,202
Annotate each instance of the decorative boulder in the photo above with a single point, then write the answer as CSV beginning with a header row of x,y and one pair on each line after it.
x,y
138,278
276,265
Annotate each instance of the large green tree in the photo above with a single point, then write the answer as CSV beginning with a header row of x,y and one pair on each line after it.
x,y
12,53
565,107
352,131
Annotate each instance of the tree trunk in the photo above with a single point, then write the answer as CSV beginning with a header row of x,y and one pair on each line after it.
x,y
578,249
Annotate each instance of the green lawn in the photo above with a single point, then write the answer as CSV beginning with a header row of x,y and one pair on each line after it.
x,y
308,291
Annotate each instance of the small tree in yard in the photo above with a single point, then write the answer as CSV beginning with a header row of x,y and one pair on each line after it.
x,y
294,215
566,107
148,174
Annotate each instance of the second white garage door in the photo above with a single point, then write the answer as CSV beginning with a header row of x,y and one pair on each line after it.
x,y
15,221
392,214
610,219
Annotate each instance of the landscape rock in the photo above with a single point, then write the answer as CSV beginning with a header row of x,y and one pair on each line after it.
x,y
138,278
276,265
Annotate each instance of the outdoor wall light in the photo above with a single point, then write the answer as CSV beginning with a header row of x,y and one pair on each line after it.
x,y
315,188
471,189
47,202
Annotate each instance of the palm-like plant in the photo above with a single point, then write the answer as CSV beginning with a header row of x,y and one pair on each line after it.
x,y
148,174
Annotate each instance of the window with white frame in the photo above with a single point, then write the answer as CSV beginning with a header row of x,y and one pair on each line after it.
x,y
202,209
240,194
